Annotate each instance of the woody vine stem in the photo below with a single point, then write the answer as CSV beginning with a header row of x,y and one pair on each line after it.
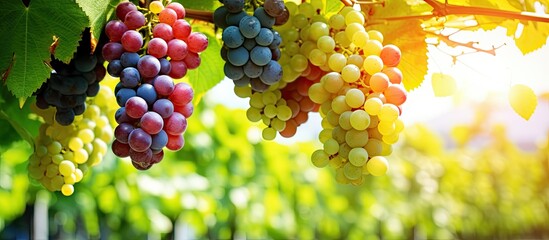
x,y
439,10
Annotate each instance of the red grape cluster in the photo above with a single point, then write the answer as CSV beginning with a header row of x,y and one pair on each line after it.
x,y
153,109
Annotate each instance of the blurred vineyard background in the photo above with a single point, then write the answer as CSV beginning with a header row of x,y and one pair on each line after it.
x,y
468,181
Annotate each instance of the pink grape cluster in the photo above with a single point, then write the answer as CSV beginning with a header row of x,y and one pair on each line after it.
x,y
153,109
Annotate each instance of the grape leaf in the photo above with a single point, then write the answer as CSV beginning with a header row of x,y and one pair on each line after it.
x,y
443,84
332,7
98,12
210,71
533,36
409,36
199,5
28,32
523,100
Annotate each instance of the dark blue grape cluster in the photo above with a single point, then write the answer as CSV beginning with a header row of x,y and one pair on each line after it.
x,y
250,44
70,84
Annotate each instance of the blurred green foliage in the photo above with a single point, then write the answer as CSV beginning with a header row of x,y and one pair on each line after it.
x,y
226,183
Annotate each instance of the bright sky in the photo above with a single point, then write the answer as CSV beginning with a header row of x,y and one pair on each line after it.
x,y
478,76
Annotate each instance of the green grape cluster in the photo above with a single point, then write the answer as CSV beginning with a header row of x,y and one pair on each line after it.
x,y
63,154
360,98
268,107
300,35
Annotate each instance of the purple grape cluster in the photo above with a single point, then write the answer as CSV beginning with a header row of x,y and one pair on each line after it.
x,y
70,84
153,109
250,44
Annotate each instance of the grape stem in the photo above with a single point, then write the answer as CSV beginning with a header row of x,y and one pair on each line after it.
x,y
206,16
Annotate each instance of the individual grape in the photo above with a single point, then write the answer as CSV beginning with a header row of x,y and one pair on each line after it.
x,y
114,68
165,31
249,43
120,149
265,37
129,59
234,6
283,17
390,54
141,160
272,73
156,7
388,112
134,20
394,74
233,19
360,120
131,41
274,8
148,66
178,69
232,71
157,47
220,16
249,27
123,95
139,140
164,107
258,85
232,37
112,51
177,49
373,64
176,124
197,42
175,142
136,107
355,98
356,138
152,122
165,66
124,8
259,55
192,60
64,116
122,131
130,77
377,166
182,30
252,70
159,140
167,16
182,94
147,92
239,56
178,8
164,85
395,94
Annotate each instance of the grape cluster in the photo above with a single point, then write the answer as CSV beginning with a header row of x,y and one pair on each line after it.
x,y
63,154
250,45
360,99
69,84
153,109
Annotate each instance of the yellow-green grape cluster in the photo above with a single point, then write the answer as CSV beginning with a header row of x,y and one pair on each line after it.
x,y
300,35
63,154
360,100
268,107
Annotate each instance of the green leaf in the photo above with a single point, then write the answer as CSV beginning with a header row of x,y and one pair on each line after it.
x,y
332,7
210,71
28,32
11,114
98,12
199,5
523,100
409,36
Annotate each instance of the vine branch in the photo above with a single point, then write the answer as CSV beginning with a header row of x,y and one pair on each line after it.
x,y
444,9
206,16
